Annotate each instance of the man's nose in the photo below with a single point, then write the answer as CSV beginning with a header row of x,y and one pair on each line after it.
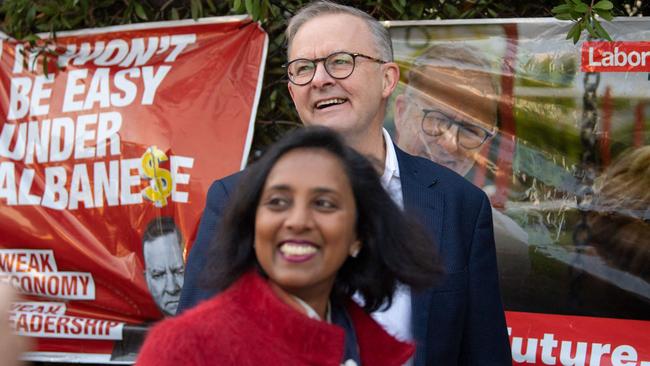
x,y
449,139
172,285
321,77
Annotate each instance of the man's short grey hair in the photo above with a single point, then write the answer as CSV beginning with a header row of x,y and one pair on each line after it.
x,y
457,55
380,34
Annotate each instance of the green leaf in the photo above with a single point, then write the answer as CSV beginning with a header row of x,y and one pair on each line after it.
x,y
211,6
174,14
194,8
65,22
590,29
249,7
563,16
76,20
470,13
576,36
417,10
256,10
576,15
604,14
139,11
31,38
237,5
49,9
31,14
601,31
396,4
575,32
42,27
84,7
564,8
452,10
604,5
264,11
581,8
166,4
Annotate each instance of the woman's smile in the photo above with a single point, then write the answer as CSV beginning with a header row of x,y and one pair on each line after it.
x,y
297,251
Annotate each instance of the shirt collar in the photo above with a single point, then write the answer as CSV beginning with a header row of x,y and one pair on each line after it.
x,y
311,312
391,168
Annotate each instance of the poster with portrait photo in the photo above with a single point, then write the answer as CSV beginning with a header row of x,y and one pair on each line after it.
x,y
107,151
558,136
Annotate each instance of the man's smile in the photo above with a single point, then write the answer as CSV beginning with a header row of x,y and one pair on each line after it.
x,y
326,103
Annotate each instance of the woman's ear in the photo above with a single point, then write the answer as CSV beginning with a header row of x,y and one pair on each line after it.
x,y
355,248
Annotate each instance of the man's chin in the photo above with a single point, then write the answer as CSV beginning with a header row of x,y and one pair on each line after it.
x,y
170,308
337,124
459,167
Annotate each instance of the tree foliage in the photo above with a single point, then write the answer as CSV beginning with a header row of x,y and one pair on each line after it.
x,y
23,19
585,17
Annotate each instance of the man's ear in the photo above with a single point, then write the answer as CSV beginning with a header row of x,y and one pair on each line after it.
x,y
391,78
400,109
290,87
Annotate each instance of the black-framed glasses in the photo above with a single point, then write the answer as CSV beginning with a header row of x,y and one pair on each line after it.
x,y
338,65
470,136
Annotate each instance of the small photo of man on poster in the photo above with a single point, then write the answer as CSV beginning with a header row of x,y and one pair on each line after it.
x,y
163,259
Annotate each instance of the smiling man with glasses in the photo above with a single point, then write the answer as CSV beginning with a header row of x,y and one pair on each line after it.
x,y
341,74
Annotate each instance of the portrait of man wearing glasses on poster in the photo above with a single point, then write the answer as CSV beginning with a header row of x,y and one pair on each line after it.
x,y
448,109
446,113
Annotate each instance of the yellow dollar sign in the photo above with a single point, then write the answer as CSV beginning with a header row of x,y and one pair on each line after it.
x,y
160,185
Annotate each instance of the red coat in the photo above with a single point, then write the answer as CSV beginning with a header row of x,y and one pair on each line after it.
x,y
249,325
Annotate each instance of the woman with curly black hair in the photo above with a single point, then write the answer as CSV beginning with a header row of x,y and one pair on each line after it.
x,y
309,227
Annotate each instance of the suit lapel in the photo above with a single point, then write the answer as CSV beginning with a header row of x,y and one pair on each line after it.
x,y
422,199
425,203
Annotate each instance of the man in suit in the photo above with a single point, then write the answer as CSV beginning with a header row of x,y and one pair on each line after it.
x,y
341,76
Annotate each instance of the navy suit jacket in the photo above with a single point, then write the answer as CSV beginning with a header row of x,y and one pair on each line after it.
x,y
458,322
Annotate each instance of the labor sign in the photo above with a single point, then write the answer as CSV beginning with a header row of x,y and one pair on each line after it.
x,y
109,141
616,56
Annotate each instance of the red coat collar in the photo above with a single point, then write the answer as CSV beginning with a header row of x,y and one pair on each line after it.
x,y
315,340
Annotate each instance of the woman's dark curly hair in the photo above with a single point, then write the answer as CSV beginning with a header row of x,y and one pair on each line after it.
x,y
394,248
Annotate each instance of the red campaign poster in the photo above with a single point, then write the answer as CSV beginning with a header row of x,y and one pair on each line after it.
x,y
105,162
557,135
547,339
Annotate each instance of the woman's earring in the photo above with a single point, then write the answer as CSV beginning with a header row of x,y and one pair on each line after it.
x,y
354,251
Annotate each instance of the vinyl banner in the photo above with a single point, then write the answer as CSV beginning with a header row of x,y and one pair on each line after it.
x,y
109,141
558,136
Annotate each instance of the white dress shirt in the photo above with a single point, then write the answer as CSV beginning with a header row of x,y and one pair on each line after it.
x,y
396,320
